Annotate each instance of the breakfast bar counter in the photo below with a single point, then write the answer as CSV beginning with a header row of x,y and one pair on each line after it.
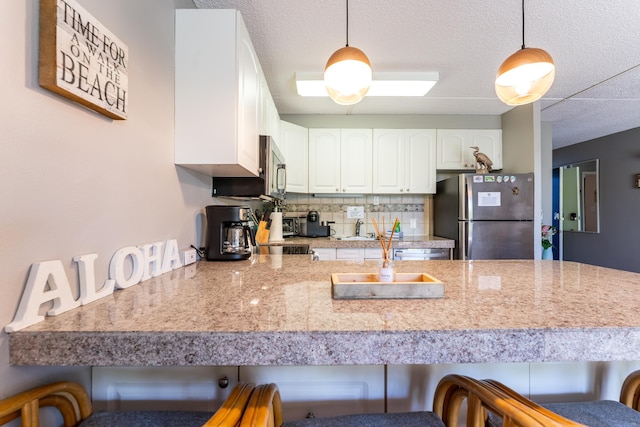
x,y
279,310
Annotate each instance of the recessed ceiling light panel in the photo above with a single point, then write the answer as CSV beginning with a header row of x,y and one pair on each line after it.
x,y
383,84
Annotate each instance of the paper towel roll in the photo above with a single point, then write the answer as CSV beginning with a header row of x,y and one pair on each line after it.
x,y
275,233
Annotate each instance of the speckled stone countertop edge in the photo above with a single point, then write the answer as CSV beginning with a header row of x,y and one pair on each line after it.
x,y
320,348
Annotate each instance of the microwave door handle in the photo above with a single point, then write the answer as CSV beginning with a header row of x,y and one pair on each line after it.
x,y
281,167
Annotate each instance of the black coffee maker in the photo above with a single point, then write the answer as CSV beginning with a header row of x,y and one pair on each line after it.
x,y
313,226
229,236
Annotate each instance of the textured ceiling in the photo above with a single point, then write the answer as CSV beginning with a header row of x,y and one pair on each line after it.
x,y
595,45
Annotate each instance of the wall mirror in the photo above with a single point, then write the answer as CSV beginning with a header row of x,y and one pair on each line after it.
x,y
580,197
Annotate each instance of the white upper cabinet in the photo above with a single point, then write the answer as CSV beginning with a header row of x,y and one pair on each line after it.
x,y
269,118
340,161
356,161
404,161
294,143
454,152
217,94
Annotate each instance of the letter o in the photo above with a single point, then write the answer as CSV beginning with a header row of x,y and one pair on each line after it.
x,y
75,50
116,267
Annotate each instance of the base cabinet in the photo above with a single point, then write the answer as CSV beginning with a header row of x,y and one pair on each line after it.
x,y
325,254
352,254
161,388
340,390
323,391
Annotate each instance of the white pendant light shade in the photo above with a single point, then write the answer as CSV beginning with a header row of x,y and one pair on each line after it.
x,y
525,76
348,75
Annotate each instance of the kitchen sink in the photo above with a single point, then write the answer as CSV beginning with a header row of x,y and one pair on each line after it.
x,y
355,238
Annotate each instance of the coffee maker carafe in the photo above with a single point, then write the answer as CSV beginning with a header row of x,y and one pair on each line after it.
x,y
229,236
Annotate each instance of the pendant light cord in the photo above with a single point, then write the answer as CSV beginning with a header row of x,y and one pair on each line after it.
x,y
348,23
523,24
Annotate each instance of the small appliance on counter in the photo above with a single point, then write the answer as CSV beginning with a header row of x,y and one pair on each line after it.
x,y
312,227
229,236
290,226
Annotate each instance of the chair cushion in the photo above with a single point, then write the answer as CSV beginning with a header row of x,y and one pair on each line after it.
x,y
408,419
601,413
147,419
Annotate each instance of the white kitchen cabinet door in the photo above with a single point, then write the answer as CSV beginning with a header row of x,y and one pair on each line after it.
x,y
295,146
249,72
188,388
325,254
324,161
355,254
420,161
489,141
388,161
356,161
217,87
340,161
404,161
323,390
454,147
372,253
269,119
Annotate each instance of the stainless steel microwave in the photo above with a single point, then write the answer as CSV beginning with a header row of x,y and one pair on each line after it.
x,y
271,180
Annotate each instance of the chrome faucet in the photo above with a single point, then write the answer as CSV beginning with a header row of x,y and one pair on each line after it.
x,y
358,224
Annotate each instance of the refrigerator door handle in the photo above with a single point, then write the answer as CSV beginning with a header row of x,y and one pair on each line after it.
x,y
464,198
464,233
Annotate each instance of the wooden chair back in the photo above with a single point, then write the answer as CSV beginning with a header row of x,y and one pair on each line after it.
x,y
74,404
630,393
264,408
532,409
69,398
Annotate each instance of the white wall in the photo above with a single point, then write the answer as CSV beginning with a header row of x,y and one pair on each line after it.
x,y
74,182
522,152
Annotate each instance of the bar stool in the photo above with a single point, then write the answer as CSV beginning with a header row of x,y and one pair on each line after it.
x,y
74,405
600,413
265,409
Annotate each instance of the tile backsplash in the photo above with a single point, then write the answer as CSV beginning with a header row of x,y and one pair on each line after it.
x,y
388,208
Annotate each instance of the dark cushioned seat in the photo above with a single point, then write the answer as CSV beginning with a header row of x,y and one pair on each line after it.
x,y
601,413
147,419
410,419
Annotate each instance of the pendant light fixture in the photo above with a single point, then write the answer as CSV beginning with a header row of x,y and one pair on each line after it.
x,y
347,75
525,76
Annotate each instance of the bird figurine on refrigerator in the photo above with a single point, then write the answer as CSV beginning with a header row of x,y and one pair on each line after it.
x,y
483,162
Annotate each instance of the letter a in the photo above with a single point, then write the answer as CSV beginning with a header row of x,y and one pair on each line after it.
x,y
36,293
87,276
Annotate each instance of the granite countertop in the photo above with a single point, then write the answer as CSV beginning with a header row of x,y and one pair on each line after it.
x,y
278,310
412,242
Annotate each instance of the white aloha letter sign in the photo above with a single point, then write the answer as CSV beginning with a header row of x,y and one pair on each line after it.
x,y
48,282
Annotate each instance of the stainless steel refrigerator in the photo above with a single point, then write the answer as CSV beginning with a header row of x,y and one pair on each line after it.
x,y
490,216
